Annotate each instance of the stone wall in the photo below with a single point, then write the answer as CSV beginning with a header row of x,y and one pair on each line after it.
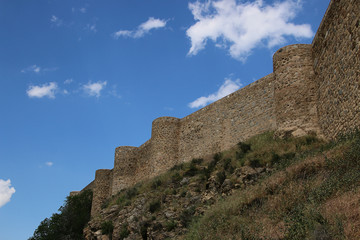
x,y
165,143
102,189
224,123
314,88
295,91
214,128
336,53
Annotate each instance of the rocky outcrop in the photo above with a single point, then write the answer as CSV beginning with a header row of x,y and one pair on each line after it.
x,y
165,212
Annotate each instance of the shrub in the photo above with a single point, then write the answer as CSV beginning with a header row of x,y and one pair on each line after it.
x,y
131,192
221,176
192,171
124,231
107,228
176,178
275,158
197,161
170,225
183,193
143,229
154,206
157,226
156,183
177,167
244,147
217,157
186,215
254,163
227,165
239,155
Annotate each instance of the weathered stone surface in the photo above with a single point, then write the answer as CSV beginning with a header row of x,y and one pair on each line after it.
x,y
336,54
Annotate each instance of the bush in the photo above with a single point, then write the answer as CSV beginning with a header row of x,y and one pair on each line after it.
x,y
124,231
254,163
177,167
228,166
170,225
197,161
221,176
143,229
107,228
176,178
217,157
244,147
192,171
186,215
154,206
156,183
131,192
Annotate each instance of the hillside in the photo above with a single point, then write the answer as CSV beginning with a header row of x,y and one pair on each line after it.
x,y
264,188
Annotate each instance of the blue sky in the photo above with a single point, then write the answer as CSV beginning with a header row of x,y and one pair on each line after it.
x,y
81,77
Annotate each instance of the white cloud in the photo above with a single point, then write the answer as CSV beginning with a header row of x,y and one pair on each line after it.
x,y
37,69
83,10
242,26
94,89
142,29
56,21
45,90
229,86
68,81
49,164
32,68
91,28
6,191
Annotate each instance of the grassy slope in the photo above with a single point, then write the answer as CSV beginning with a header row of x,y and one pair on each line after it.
x,y
317,196
311,192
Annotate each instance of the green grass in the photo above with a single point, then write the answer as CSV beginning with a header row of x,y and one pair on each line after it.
x,y
287,204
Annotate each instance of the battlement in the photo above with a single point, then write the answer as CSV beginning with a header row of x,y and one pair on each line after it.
x,y
314,88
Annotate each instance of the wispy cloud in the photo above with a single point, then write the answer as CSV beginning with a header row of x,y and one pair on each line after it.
x,y
240,26
229,86
45,90
37,69
94,89
6,191
68,81
114,92
49,164
83,10
32,68
91,28
142,29
56,21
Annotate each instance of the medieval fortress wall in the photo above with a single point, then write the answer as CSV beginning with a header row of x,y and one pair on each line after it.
x,y
314,89
336,56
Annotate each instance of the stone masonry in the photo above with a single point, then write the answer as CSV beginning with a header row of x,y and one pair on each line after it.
x,y
314,89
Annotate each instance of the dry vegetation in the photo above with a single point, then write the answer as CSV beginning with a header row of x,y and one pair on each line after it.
x,y
264,188
316,197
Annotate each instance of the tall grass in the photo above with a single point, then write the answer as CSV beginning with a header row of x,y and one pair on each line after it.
x,y
290,203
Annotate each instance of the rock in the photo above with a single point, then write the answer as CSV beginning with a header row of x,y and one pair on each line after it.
x,y
246,170
184,181
98,233
104,237
260,170
169,214
298,133
195,199
226,186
